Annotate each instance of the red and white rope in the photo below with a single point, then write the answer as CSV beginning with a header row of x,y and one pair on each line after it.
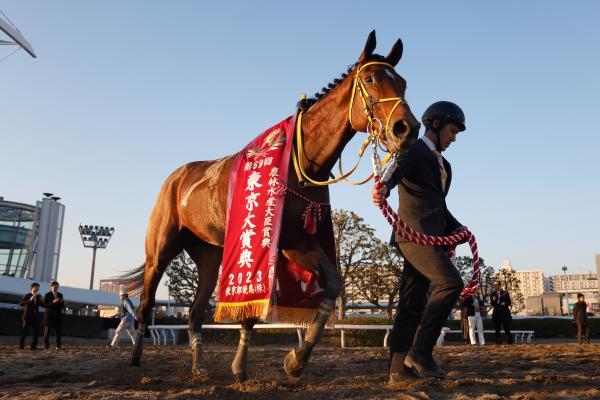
x,y
461,235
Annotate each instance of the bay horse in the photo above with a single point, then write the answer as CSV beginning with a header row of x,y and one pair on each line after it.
x,y
190,210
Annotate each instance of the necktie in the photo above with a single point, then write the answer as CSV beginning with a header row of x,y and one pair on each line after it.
x,y
443,172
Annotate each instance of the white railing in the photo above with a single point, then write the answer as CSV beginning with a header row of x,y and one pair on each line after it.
x,y
162,333
520,335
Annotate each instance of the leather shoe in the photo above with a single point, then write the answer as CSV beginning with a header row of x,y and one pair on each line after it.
x,y
423,365
399,373
407,375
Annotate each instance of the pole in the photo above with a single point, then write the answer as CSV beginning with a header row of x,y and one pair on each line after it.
x,y
93,268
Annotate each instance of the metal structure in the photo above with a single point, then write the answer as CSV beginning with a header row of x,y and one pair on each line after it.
x,y
16,36
96,237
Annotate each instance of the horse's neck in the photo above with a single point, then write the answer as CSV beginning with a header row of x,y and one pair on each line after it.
x,y
326,131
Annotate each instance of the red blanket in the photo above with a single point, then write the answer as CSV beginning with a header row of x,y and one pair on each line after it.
x,y
256,280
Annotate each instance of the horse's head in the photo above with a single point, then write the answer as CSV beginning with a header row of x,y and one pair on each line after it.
x,y
377,105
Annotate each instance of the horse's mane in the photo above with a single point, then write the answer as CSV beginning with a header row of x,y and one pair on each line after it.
x,y
305,103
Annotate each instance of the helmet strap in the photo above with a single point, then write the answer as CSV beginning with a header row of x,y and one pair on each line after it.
x,y
438,131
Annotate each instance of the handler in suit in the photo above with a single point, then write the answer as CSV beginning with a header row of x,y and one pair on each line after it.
x,y
423,178
54,304
31,315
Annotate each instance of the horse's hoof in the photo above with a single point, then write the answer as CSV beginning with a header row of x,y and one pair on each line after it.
x,y
135,362
241,377
293,368
199,371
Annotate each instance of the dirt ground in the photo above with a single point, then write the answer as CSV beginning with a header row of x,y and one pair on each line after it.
x,y
91,370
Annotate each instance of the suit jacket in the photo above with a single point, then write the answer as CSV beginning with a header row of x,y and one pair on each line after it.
x,y
53,310
580,312
422,199
501,303
31,308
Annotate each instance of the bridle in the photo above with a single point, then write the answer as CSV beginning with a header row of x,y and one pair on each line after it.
x,y
375,129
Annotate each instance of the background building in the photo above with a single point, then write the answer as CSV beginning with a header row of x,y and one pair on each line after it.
x,y
556,294
30,238
533,283
16,237
571,284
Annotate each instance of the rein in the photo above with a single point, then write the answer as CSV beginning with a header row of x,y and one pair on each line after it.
x,y
375,128
459,236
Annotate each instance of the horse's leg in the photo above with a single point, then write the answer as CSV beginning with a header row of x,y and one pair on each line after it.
x,y
162,245
317,261
240,362
207,258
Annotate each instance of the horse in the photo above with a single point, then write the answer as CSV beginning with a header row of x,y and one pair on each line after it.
x,y
190,211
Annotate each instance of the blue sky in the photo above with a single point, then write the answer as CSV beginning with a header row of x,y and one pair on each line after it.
x,y
122,93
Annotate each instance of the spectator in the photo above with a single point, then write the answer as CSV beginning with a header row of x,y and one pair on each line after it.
x,y
128,318
474,306
500,301
464,322
31,315
581,320
54,304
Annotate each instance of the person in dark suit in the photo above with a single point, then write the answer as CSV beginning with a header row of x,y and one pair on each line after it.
x,y
31,315
423,178
581,320
54,304
464,322
501,316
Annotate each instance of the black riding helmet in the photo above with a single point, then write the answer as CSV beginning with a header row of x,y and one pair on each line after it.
x,y
446,111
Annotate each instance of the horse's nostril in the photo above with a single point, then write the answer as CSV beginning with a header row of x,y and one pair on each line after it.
x,y
400,128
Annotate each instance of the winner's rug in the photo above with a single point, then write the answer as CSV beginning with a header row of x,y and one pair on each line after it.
x,y
256,280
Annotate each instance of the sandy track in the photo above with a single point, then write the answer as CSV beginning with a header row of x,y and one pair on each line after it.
x,y
93,371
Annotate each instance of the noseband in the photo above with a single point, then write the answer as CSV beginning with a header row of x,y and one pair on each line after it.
x,y
375,129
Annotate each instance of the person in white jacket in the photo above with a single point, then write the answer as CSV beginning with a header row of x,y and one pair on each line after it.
x,y
128,318
474,306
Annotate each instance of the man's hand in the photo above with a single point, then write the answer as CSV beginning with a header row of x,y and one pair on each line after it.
x,y
378,196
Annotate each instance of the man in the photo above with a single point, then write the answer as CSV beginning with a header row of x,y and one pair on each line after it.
x,y
500,301
464,322
474,306
581,320
31,315
423,178
54,304
128,318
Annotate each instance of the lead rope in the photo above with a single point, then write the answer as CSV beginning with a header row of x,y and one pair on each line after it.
x,y
406,232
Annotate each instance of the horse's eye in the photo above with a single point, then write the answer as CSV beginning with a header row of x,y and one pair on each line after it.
x,y
369,79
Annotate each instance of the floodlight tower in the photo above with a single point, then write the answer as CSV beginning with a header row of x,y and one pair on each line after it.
x,y
96,237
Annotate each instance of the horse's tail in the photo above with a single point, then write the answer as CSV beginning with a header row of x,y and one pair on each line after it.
x,y
134,279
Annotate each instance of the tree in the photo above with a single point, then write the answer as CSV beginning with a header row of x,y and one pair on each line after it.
x,y
183,279
353,249
380,281
511,283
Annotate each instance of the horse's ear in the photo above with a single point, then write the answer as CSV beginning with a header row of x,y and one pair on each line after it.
x,y
396,53
369,47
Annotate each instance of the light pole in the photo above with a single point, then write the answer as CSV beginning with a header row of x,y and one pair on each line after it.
x,y
96,237
564,270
